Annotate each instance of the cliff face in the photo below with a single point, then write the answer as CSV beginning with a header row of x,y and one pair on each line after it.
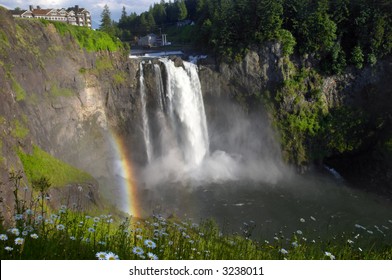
x,y
61,98
265,79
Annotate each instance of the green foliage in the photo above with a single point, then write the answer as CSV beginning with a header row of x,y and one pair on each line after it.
x,y
309,130
41,164
4,39
19,129
107,25
89,39
103,64
119,78
68,234
327,31
357,57
288,42
55,91
343,130
18,89
298,114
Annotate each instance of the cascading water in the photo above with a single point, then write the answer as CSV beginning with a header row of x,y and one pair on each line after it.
x,y
176,133
146,128
186,111
159,84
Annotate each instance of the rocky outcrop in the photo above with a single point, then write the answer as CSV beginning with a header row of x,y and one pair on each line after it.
x,y
66,100
263,71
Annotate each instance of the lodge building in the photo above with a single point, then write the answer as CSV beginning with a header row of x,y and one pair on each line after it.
x,y
73,15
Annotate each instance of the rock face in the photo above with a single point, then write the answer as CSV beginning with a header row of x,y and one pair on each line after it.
x,y
263,71
68,101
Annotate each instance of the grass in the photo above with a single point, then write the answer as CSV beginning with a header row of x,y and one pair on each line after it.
x,y
56,91
88,39
19,129
41,164
69,234
19,91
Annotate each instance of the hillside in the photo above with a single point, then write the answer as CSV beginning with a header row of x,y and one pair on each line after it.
x,y
57,83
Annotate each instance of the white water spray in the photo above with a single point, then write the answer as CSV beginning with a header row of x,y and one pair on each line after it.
x,y
186,111
146,128
181,139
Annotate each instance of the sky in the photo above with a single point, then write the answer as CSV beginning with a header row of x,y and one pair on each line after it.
x,y
94,6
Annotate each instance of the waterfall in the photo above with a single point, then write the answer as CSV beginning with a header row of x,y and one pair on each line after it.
x,y
177,135
146,128
159,84
185,108
179,120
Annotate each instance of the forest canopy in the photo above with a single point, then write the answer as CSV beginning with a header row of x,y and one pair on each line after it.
x,y
335,32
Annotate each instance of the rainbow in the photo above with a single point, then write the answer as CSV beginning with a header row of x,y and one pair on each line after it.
x,y
127,171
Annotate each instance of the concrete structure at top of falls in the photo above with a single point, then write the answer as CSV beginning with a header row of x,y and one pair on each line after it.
x,y
180,102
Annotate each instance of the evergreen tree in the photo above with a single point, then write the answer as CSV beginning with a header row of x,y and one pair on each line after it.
x,y
106,21
182,11
357,57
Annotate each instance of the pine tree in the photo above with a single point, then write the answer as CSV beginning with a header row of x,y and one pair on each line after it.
x,y
106,21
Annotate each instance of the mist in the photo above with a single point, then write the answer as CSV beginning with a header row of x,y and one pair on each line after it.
x,y
202,142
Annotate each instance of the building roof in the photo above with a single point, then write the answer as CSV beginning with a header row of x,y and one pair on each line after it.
x,y
41,12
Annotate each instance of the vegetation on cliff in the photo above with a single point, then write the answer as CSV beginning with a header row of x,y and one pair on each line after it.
x,y
88,39
40,164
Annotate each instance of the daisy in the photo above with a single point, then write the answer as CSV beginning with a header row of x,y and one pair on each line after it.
x,y
29,212
328,254
34,236
101,255
96,219
112,256
283,251
18,217
60,227
152,256
138,251
3,237
15,231
19,241
149,243
8,248
91,230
